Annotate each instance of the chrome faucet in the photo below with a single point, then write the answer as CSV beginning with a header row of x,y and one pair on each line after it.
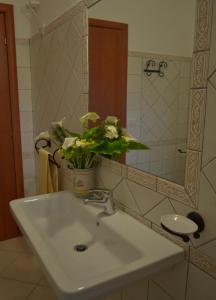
x,y
102,198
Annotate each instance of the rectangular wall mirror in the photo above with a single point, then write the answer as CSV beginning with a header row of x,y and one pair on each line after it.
x,y
140,58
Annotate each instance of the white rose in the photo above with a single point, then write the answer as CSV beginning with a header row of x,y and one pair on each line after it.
x,y
111,132
69,142
127,136
90,116
43,135
58,123
111,120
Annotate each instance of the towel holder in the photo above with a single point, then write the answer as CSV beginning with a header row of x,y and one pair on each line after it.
x,y
47,144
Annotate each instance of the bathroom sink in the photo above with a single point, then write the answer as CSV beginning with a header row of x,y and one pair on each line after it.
x,y
86,254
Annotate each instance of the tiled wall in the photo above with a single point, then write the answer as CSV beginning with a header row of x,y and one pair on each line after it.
x,y
157,114
134,191
25,105
58,69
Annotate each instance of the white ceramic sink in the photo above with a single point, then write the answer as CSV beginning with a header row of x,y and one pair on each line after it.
x,y
120,250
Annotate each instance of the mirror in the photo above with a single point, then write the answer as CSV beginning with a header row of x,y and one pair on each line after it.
x,y
158,75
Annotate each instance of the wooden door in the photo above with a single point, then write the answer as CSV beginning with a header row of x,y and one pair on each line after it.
x,y
11,182
108,52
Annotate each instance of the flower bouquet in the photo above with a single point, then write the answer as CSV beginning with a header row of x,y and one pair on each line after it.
x,y
82,150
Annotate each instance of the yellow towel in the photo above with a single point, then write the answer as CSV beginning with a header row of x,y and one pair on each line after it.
x,y
48,173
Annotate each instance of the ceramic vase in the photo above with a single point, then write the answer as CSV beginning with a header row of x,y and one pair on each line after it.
x,y
83,182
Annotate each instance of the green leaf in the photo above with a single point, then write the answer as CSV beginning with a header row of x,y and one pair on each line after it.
x,y
133,145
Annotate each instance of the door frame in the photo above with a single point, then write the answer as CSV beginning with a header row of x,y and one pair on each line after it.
x,y
7,9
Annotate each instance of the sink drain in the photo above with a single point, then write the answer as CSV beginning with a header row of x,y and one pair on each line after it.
x,y
80,248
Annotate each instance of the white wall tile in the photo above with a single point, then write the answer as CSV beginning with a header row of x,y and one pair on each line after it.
x,y
145,198
134,65
29,187
25,101
22,53
29,168
122,194
26,122
27,142
24,78
134,83
162,209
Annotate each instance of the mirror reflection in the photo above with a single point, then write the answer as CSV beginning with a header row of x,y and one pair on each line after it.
x,y
140,55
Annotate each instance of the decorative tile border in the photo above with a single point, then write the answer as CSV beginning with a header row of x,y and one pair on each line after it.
x,y
192,176
143,178
197,119
202,26
200,69
173,190
203,262
164,56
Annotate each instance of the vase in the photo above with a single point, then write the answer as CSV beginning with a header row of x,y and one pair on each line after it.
x,y
83,182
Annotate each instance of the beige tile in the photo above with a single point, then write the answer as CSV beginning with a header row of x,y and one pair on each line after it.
x,y
16,244
145,198
7,258
200,285
109,179
161,209
155,293
43,293
210,171
14,290
173,280
44,281
213,80
114,296
137,290
209,249
122,194
207,208
25,268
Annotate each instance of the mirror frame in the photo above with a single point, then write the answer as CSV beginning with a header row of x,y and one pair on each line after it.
x,y
189,193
